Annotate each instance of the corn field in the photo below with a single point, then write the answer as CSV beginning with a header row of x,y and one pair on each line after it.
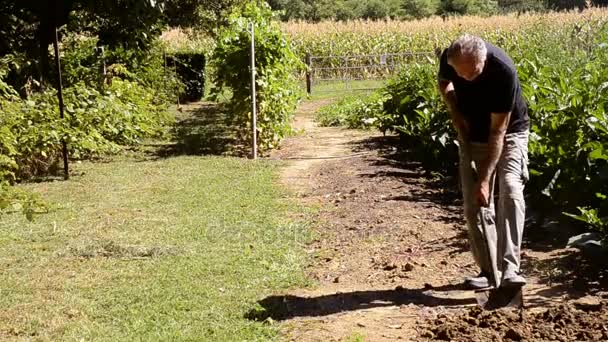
x,y
379,37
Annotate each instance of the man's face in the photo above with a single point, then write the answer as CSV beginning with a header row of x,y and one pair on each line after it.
x,y
467,67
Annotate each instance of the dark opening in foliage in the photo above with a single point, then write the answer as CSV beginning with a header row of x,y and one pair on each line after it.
x,y
190,68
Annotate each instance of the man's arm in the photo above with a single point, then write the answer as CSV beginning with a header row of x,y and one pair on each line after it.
x,y
498,129
446,89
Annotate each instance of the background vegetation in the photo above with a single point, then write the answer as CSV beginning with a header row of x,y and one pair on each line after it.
x,y
560,60
344,10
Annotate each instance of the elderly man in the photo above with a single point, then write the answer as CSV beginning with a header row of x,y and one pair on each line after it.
x,y
479,84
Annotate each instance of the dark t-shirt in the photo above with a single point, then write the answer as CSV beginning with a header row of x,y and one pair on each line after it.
x,y
495,90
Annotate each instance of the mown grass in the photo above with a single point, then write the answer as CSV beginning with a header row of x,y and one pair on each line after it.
x,y
338,89
179,248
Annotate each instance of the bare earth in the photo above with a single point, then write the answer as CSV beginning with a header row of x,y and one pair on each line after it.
x,y
391,252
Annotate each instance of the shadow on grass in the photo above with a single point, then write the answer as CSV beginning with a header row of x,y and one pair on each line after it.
x,y
203,129
286,307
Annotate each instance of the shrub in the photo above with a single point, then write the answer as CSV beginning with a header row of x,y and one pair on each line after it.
x,y
276,66
96,123
83,61
353,112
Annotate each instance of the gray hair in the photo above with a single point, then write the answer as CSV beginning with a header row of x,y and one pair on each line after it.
x,y
468,45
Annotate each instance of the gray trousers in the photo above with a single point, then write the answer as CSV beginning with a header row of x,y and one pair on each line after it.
x,y
505,217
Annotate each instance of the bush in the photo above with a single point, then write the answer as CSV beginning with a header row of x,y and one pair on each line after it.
x,y
16,200
352,112
11,199
276,66
569,144
416,111
95,124
83,61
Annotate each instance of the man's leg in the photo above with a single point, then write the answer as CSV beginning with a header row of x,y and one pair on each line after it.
x,y
477,239
512,174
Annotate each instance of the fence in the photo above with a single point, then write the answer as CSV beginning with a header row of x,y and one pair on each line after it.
x,y
348,69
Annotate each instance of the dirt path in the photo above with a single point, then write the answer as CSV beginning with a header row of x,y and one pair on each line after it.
x,y
391,250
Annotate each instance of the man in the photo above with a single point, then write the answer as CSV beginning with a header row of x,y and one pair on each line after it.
x,y
480,86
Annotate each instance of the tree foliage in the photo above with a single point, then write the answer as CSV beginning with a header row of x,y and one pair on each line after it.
x,y
316,10
204,15
28,28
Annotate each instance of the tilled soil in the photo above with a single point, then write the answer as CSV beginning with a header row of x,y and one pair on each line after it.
x,y
390,253
565,322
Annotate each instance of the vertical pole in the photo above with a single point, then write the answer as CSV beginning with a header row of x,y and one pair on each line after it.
x,y
176,85
254,148
104,71
103,59
64,146
308,74
165,66
346,74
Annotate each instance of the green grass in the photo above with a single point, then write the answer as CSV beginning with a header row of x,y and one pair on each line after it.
x,y
331,90
356,337
173,249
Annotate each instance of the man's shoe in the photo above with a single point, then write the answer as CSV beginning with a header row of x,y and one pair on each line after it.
x,y
480,282
513,280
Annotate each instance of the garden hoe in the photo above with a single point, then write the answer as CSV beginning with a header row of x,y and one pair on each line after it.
x,y
495,296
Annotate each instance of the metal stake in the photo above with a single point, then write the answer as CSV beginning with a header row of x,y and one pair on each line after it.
x,y
64,146
254,148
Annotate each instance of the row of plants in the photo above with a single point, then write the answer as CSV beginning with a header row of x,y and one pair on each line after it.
x,y
353,112
229,75
567,90
120,96
103,112
276,63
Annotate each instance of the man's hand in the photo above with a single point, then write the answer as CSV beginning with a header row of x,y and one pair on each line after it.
x,y
482,193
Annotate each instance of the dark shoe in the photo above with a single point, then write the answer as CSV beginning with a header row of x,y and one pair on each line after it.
x,y
480,282
513,280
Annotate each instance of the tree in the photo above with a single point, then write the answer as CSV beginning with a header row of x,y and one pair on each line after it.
x,y
421,8
472,7
375,9
566,4
522,5
28,26
315,10
205,15
348,10
126,23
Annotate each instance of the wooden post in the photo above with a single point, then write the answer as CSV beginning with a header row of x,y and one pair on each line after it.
x,y
64,146
308,74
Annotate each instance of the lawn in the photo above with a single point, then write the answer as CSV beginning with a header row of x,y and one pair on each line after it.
x,y
176,248
337,89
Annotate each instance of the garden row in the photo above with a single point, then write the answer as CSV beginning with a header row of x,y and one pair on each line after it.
x,y
562,70
121,96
